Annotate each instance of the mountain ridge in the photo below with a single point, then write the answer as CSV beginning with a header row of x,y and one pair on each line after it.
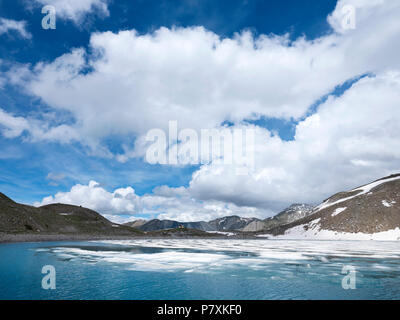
x,y
228,223
370,211
65,222
366,212
18,218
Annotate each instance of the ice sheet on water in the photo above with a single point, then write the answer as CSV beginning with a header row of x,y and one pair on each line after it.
x,y
212,255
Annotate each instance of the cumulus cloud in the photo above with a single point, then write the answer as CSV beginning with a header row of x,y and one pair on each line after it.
x,y
137,82
164,203
7,25
76,10
95,197
351,140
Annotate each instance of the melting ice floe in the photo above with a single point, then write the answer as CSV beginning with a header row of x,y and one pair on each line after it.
x,y
203,256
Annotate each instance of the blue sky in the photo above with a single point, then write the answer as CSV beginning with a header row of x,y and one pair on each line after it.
x,y
223,17
33,168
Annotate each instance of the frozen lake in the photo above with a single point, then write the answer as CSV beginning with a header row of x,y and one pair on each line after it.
x,y
203,269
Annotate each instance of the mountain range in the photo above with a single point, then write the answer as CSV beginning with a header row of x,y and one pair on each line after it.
x,y
20,222
229,223
371,211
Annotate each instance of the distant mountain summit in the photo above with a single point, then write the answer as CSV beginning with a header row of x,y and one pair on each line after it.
x,y
290,214
136,223
229,223
293,213
371,211
156,224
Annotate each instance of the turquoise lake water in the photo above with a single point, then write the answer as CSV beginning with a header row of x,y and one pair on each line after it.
x,y
201,269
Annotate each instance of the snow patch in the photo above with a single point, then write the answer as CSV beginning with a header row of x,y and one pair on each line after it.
x,y
300,232
388,204
229,234
337,211
314,223
363,190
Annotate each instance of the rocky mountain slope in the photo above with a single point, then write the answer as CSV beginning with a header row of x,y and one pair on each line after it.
x,y
290,214
231,223
371,211
136,223
17,218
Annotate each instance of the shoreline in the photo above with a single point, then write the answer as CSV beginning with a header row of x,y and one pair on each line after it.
x,y
21,238
32,238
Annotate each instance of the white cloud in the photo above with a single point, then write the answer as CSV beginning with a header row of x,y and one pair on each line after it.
x,y
95,197
54,178
164,202
7,25
76,10
139,82
11,126
14,126
351,140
